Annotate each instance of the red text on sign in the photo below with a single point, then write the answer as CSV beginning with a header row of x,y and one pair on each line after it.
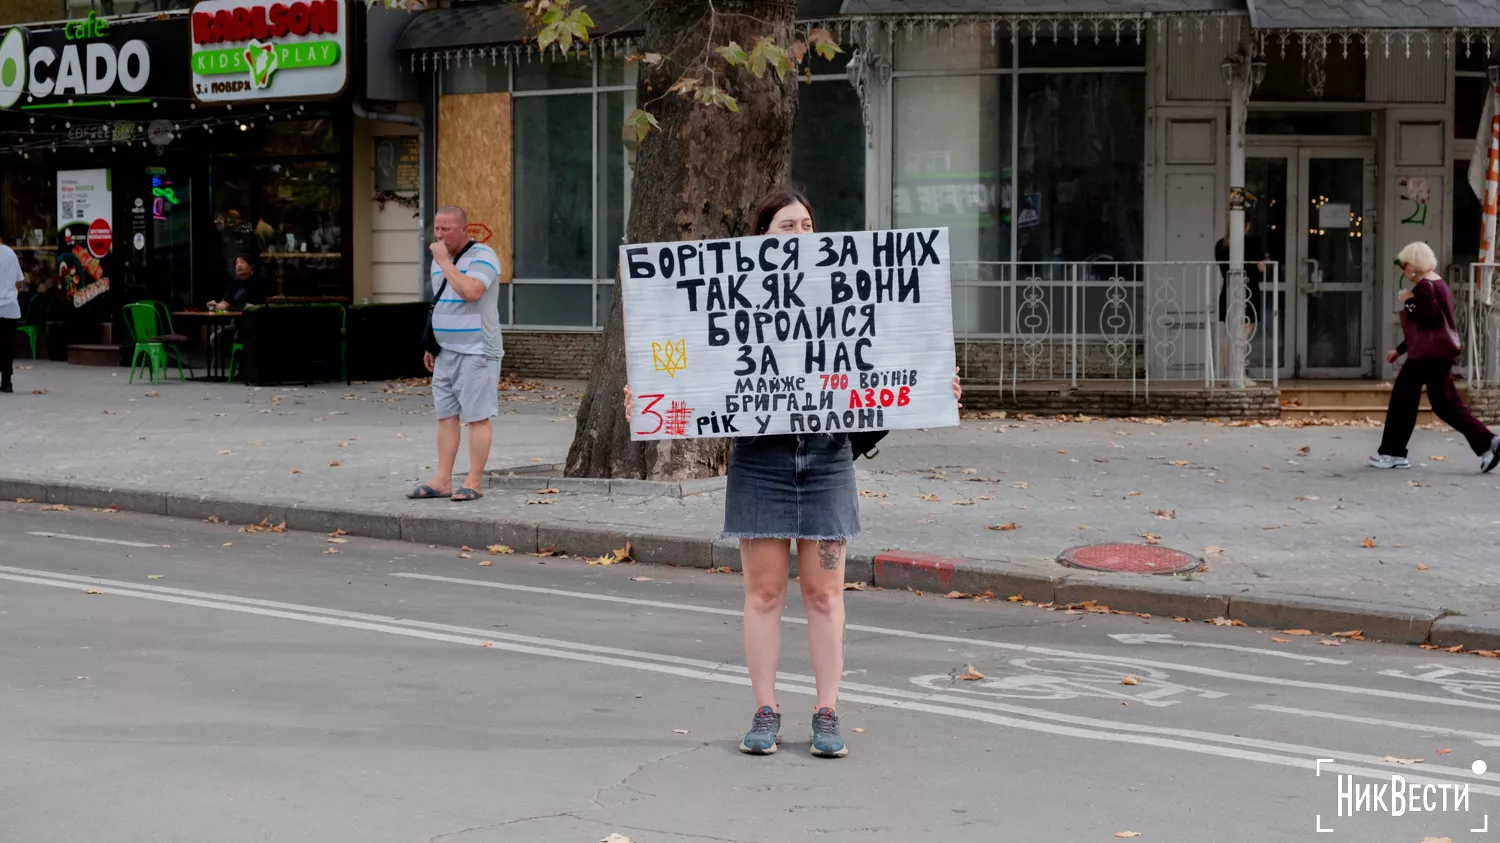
x,y
880,398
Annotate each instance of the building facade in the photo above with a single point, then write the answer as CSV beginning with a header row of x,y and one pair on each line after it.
x,y
1078,150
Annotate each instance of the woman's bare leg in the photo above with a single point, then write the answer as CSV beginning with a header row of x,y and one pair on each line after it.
x,y
767,564
820,566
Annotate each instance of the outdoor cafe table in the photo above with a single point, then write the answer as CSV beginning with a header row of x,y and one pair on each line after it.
x,y
217,354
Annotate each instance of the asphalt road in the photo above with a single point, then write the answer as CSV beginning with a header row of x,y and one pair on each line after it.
x,y
166,680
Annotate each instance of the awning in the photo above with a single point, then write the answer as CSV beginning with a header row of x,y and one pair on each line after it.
x,y
1375,14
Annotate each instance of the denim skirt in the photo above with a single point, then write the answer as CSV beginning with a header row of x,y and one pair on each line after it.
x,y
796,486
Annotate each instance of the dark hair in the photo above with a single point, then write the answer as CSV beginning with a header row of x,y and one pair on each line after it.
x,y
771,204
249,258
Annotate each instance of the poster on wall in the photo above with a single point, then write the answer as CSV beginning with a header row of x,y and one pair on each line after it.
x,y
813,333
252,51
85,233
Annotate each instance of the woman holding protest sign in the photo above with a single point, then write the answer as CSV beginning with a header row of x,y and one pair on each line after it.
x,y
783,489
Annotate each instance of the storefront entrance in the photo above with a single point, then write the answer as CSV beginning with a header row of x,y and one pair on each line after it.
x,y
1313,202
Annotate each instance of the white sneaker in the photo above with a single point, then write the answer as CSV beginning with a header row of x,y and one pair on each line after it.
x,y
1488,462
1388,461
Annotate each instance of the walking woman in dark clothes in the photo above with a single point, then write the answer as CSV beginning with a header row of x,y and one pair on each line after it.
x,y
784,490
1430,343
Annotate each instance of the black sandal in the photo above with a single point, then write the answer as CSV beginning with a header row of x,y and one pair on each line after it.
x,y
466,494
425,492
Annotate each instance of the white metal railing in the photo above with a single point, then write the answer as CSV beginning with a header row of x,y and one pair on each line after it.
x,y
1478,313
1108,320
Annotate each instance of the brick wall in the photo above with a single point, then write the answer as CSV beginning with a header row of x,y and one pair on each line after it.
x,y
1259,403
1486,405
561,354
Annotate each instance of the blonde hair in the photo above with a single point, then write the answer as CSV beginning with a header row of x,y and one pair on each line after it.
x,y
1419,256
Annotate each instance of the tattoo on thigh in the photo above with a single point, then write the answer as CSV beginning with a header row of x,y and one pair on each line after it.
x,y
830,554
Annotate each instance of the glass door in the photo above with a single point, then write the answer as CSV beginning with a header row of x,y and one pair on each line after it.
x,y
1270,176
1334,268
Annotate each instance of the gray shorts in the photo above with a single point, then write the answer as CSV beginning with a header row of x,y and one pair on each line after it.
x,y
466,385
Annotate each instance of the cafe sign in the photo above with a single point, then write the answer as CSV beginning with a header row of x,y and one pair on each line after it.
x,y
80,63
245,50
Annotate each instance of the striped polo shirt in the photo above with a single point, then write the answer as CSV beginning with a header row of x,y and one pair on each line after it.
x,y
470,327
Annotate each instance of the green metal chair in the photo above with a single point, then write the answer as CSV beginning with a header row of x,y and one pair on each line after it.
x,y
140,321
29,327
170,339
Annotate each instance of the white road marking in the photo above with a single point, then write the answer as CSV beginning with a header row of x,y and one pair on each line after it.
x,y
1129,661
1482,738
893,701
90,539
1169,638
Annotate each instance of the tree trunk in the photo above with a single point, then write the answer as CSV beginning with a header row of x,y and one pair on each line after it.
x,y
696,178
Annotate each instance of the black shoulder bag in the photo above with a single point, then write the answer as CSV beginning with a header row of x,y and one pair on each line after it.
x,y
429,339
863,443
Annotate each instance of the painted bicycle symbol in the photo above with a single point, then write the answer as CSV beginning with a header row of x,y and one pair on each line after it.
x,y
1067,679
1471,683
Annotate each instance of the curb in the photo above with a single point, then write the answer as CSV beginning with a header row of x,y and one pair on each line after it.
x,y
1039,581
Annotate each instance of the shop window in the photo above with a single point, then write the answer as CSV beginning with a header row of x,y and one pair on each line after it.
x,y
828,154
555,304
951,161
554,187
482,76
1085,51
1468,108
551,73
605,296
615,176
288,213
28,223
1295,77
1081,172
957,48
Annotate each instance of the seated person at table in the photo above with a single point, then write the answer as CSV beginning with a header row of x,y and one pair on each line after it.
x,y
248,286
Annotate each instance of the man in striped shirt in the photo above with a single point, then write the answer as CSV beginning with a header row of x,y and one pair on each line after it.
x,y
466,373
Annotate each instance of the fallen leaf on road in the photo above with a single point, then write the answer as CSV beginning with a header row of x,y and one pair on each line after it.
x,y
484,643
1213,548
279,528
1298,631
859,731
1166,514
1275,640
1304,498
1022,486
1353,634
1438,459
1134,494
1015,598
680,731
547,491
721,570
1444,751
868,493
541,502
546,551
1437,840
229,544
107,412
1127,834
335,463
1369,542
154,576
970,674
1330,642
465,556
401,436
338,540
1415,483
1421,567
1008,527
854,586
499,549
332,550
294,471
648,579
57,507
1130,680
486,563
1304,451
40,391
1151,538
93,591
1226,622
1396,759
1179,462
955,595
338,531
931,498
25,500
616,838
965,502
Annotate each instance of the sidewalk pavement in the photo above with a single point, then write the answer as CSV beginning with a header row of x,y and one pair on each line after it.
x,y
1295,531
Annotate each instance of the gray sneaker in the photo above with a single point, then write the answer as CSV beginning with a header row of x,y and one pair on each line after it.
x,y
1491,459
1387,461
826,740
761,739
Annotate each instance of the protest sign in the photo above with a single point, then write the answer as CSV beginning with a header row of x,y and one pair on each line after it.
x,y
812,333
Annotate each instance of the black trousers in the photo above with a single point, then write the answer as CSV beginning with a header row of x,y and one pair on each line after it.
x,y
7,347
1406,400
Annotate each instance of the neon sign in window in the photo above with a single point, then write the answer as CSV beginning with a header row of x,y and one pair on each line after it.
x,y
163,197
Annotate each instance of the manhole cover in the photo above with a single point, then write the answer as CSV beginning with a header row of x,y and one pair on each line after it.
x,y
1128,559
